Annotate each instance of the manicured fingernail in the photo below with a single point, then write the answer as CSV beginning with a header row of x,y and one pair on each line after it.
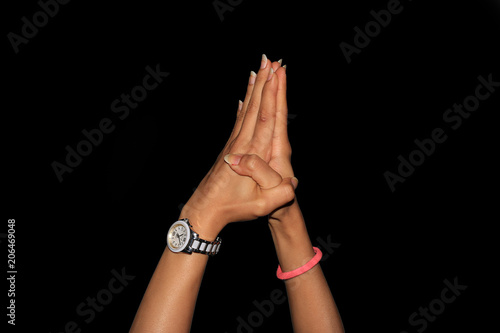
x,y
284,66
253,76
295,182
270,74
263,64
240,105
280,61
233,159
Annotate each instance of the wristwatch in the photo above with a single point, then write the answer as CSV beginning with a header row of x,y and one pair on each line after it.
x,y
182,238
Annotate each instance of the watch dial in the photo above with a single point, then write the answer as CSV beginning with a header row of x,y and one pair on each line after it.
x,y
178,236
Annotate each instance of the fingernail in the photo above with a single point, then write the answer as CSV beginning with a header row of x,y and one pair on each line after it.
x,y
295,182
284,66
233,159
240,105
270,74
264,61
253,76
280,61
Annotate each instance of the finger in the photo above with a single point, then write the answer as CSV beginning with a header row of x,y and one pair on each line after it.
x,y
280,129
278,196
276,65
253,166
252,109
242,106
266,118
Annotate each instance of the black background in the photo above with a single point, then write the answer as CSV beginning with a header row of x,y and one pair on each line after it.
x,y
351,121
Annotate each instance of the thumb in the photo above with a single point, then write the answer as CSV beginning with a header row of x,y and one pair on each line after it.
x,y
280,195
234,161
255,167
275,191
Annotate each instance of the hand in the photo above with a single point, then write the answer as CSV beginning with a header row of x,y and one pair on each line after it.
x,y
224,196
281,150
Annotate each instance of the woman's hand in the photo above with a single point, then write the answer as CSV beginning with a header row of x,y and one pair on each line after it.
x,y
281,150
224,196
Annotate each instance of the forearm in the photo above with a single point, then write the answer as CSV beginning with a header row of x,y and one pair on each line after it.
x,y
312,306
169,301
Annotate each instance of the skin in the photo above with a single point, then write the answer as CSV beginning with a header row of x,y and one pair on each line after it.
x,y
312,307
251,177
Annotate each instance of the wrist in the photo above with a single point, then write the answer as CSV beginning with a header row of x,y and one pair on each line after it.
x,y
286,219
204,223
289,227
291,239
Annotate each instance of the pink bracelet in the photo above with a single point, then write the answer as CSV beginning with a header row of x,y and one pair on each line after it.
x,y
301,270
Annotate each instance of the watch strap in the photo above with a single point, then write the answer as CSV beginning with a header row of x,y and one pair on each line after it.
x,y
205,247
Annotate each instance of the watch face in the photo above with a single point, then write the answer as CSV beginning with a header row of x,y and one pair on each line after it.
x,y
178,236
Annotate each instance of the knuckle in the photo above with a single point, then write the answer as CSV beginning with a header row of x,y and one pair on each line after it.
x,y
288,193
263,116
261,207
251,161
266,114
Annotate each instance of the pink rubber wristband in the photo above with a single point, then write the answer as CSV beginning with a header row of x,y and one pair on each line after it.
x,y
301,270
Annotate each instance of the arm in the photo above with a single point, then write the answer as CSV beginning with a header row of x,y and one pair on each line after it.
x,y
312,307
223,196
169,301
